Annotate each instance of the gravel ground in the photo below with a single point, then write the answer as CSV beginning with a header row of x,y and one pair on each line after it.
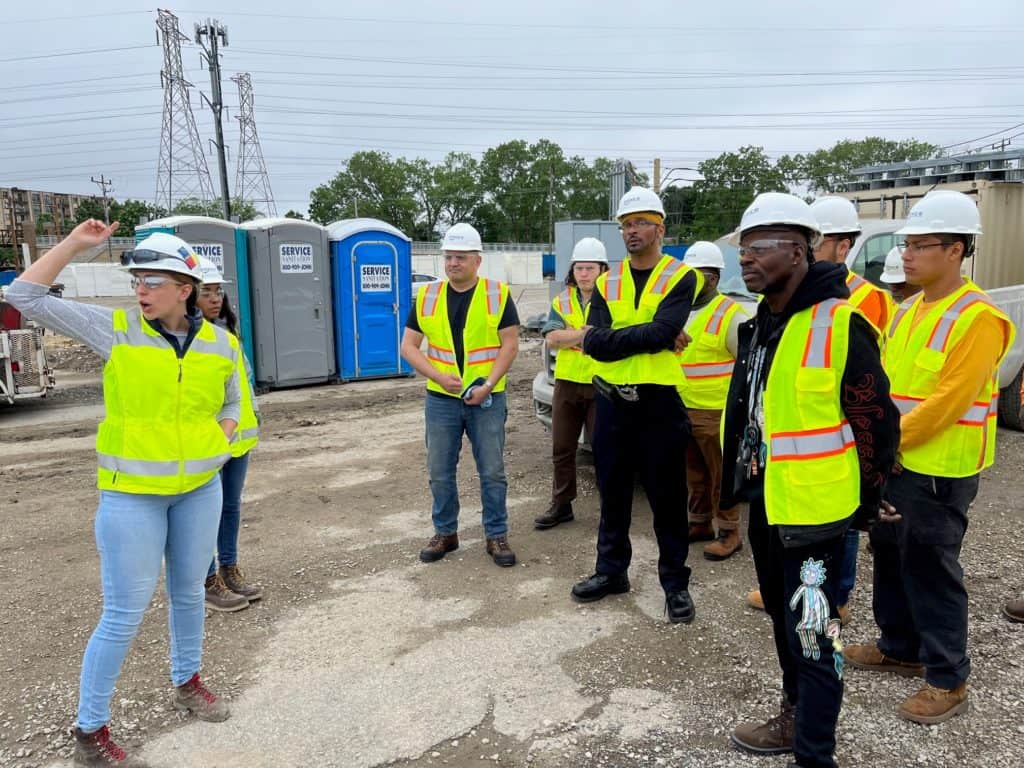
x,y
361,656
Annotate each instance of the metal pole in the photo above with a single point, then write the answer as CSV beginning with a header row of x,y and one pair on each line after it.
x,y
103,184
657,175
14,224
216,33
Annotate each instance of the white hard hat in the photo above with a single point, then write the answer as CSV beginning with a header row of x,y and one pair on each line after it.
x,y
163,252
704,254
943,211
777,209
893,272
211,274
462,237
835,215
589,249
639,200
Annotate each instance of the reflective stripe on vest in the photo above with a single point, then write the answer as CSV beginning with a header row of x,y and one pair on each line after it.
x,y
661,284
440,355
482,355
903,308
570,362
813,444
817,353
944,328
613,282
431,294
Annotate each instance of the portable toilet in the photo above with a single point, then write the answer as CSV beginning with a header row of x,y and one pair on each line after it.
x,y
290,283
223,243
371,265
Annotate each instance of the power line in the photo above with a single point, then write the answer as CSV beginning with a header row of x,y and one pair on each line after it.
x,y
62,54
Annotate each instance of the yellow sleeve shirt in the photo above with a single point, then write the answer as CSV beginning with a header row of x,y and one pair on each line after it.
x,y
969,367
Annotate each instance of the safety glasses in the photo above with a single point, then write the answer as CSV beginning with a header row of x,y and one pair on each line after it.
x,y
145,256
764,247
209,293
152,282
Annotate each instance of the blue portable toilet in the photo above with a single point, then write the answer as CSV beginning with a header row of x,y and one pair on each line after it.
x,y
371,267
676,251
223,243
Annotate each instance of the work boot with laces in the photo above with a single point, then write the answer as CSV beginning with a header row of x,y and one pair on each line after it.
x,y
439,546
501,553
754,599
220,598
235,581
194,697
725,546
774,737
700,532
867,656
97,749
932,705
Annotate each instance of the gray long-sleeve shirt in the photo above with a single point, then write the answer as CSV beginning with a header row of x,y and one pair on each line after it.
x,y
93,326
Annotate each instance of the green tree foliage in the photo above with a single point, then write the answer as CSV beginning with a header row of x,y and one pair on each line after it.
x,y
372,184
292,214
90,208
824,169
730,183
194,206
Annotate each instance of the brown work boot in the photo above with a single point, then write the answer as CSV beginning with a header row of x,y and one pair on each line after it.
x,y
932,705
754,599
555,515
844,614
500,551
220,598
1014,610
869,657
97,749
774,737
701,532
235,581
194,697
439,546
725,546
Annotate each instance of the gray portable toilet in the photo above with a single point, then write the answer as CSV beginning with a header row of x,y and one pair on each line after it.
x,y
293,327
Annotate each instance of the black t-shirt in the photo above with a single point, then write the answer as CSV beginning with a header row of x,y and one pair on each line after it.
x,y
458,308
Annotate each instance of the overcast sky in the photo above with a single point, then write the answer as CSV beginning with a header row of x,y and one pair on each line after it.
x,y
683,81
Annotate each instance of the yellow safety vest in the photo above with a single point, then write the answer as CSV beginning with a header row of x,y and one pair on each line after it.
x,y
160,434
812,474
914,360
707,362
860,290
247,435
619,292
480,340
570,362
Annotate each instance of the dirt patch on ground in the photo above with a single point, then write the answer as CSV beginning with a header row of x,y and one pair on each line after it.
x,y
360,655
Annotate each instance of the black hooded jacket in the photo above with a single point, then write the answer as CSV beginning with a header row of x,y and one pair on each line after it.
x,y
864,397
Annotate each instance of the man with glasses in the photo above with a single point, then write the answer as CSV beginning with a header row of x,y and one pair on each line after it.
x,y
811,434
942,355
637,312
472,332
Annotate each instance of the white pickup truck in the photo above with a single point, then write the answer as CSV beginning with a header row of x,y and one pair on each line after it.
x,y
866,258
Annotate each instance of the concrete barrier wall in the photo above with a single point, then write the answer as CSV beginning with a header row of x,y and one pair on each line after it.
x,y
515,267
94,280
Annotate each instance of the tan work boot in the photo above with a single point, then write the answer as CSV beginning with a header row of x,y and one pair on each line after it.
x,y
501,553
235,581
96,749
754,599
774,737
932,705
438,547
220,598
701,532
869,657
1014,610
844,614
194,697
725,546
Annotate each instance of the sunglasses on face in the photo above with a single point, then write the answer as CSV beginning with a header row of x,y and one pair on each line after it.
x,y
152,282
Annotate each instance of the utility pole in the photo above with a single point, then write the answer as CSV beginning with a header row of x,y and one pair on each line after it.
x,y
214,33
551,208
657,176
105,185
14,223
252,182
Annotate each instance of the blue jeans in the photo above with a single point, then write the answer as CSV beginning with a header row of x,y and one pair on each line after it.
x,y
447,418
134,532
848,573
232,480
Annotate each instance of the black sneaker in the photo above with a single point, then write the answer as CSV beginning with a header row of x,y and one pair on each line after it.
x,y
598,586
679,607
556,514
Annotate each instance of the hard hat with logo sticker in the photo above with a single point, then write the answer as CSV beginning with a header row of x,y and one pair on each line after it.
x,y
704,254
778,209
462,237
163,252
639,200
943,210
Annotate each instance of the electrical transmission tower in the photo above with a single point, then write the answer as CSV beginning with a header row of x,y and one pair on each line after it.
x,y
252,183
181,170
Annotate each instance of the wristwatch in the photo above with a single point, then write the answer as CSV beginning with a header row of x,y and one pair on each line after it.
x,y
488,384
